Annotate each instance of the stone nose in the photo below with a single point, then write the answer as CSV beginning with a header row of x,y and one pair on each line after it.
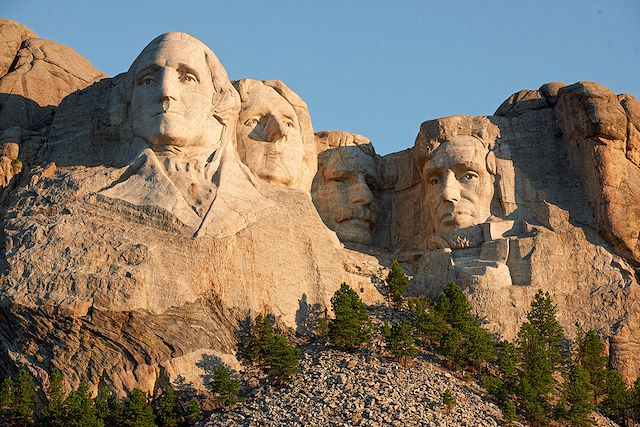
x,y
451,188
361,193
169,90
275,129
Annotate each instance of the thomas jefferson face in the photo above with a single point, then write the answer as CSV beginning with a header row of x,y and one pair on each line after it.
x,y
269,138
172,95
459,188
344,194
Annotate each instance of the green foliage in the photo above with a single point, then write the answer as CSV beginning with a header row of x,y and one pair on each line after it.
x,y
430,325
225,387
617,397
509,412
282,359
578,397
396,283
399,340
261,334
542,318
53,414
167,409
7,401
24,398
138,411
109,409
448,400
273,352
80,410
590,355
194,411
536,381
634,399
351,327
454,307
464,342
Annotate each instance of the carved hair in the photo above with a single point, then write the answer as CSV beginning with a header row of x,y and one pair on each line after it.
x,y
330,139
434,132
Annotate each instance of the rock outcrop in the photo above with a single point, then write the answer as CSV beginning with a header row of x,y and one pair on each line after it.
x,y
135,239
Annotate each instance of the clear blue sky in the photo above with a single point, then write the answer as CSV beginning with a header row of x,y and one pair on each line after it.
x,y
378,68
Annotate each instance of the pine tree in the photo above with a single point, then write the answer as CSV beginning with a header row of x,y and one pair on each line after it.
x,y
80,410
53,414
137,411
24,398
396,283
7,401
578,396
224,386
167,409
448,400
634,400
282,359
509,412
194,411
617,397
536,380
590,355
351,327
261,335
430,325
542,318
454,307
109,408
399,340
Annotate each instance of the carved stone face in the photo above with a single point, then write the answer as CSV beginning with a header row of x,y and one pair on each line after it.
x,y
172,95
343,193
269,138
459,188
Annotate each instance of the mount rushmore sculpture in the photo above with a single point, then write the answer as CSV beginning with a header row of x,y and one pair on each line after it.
x,y
146,215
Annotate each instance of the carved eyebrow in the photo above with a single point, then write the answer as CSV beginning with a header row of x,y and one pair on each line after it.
x,y
146,70
184,68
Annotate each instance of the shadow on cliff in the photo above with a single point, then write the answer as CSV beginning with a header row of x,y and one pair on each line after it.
x,y
308,316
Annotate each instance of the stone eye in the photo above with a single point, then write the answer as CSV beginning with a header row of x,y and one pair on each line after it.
x,y
146,81
434,180
188,77
251,122
469,176
290,124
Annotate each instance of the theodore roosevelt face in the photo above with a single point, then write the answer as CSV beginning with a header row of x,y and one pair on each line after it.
x,y
172,95
459,187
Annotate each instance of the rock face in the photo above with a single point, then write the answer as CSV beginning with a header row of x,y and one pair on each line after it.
x,y
145,216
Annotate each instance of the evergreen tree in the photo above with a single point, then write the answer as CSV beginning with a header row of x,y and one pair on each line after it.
x,y
509,412
578,396
454,307
448,400
24,398
7,401
542,318
351,327
478,348
396,283
536,379
167,409
109,409
616,397
282,359
194,411
634,400
399,340
224,386
430,325
53,414
137,410
590,355
80,410
262,332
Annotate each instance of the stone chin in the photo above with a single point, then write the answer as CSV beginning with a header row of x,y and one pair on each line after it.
x,y
355,231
